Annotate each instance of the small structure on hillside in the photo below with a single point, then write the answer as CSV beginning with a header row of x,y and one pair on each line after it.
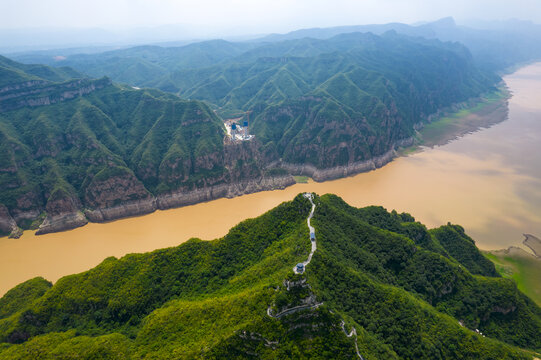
x,y
238,132
245,124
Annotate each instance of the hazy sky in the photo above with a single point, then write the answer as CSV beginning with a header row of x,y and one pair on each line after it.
x,y
253,16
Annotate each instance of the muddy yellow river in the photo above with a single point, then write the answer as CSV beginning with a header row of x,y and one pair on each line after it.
x,y
488,181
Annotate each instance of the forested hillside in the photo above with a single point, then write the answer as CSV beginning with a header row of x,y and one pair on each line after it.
x,y
86,149
359,92
381,273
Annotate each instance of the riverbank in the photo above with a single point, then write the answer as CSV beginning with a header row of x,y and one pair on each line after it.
x,y
466,118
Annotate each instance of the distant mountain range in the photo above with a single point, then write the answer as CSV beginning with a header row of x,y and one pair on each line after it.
x,y
379,285
494,45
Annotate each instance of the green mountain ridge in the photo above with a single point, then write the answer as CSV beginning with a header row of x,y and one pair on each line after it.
x,y
84,149
12,72
112,146
381,273
374,89
496,47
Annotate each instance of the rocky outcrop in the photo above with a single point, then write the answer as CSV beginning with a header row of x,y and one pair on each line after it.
x,y
183,198
63,213
7,224
244,174
25,215
62,222
346,170
126,209
20,86
116,195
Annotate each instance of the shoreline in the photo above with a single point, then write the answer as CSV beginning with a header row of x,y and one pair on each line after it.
x,y
533,243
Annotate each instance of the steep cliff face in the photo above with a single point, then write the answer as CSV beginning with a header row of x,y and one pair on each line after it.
x,y
7,224
116,193
63,213
341,171
29,206
40,93
19,89
244,172
319,133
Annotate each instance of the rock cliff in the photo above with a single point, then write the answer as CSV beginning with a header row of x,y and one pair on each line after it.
x,y
344,170
7,224
40,93
117,194
63,213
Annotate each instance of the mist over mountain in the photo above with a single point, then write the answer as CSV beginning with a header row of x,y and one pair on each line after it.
x,y
495,45
64,39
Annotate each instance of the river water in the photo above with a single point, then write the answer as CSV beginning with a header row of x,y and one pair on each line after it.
x,y
488,181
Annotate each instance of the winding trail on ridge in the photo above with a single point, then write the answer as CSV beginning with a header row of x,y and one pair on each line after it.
x,y
292,310
314,248
353,332
312,231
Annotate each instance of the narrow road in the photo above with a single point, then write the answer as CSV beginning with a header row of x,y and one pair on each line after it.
x,y
312,236
353,332
292,310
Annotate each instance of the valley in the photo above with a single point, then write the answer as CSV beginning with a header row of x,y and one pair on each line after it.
x,y
494,172
270,180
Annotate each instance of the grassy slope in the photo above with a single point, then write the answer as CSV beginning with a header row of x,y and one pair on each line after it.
x,y
483,113
13,72
65,145
522,267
